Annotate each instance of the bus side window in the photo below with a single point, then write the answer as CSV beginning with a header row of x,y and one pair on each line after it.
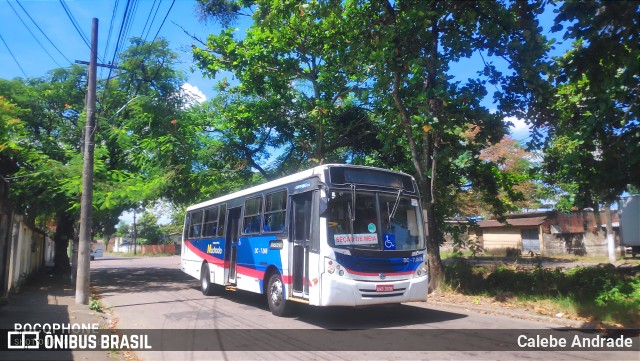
x,y
210,226
252,216
275,211
195,224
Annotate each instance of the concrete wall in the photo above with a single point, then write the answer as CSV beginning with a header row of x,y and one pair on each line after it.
x,y
579,244
501,238
124,245
28,248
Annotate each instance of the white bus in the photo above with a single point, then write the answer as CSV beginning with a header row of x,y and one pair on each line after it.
x,y
333,235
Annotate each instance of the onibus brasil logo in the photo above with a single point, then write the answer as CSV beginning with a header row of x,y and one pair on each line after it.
x,y
71,336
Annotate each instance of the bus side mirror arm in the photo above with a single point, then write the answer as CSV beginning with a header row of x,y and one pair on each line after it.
x,y
323,205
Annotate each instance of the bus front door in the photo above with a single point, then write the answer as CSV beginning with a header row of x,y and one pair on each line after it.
x,y
231,244
300,237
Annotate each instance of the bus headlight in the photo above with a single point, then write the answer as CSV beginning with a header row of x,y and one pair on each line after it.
x,y
332,267
421,270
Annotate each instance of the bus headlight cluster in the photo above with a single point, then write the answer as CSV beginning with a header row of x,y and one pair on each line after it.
x,y
422,269
333,267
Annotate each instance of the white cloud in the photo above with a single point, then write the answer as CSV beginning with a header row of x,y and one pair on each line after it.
x,y
194,94
519,130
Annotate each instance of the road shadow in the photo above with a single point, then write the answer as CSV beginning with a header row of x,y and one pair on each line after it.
x,y
153,279
109,281
342,318
370,317
31,305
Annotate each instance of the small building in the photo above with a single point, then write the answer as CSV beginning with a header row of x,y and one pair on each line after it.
x,y
546,233
517,234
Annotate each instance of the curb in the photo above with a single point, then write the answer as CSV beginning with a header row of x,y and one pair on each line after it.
x,y
521,314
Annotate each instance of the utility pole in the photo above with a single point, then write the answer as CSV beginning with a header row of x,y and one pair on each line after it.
x,y
86,202
135,234
611,245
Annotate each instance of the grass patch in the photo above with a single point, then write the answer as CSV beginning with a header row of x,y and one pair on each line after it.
x,y
602,293
96,305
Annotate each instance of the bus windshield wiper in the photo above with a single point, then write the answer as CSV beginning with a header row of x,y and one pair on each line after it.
x,y
353,202
352,212
395,206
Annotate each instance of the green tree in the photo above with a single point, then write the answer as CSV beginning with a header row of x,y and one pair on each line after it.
x,y
592,151
411,46
394,59
148,229
122,229
296,86
147,146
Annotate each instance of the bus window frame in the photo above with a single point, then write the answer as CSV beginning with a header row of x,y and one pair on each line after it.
x,y
191,224
222,219
259,214
214,222
285,211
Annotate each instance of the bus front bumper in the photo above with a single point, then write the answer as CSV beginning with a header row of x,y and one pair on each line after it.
x,y
339,291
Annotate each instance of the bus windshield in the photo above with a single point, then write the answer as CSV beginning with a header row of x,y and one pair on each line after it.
x,y
377,221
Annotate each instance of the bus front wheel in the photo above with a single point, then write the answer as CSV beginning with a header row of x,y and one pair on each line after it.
x,y
275,296
205,281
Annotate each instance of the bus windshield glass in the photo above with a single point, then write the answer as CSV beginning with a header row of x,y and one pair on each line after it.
x,y
377,221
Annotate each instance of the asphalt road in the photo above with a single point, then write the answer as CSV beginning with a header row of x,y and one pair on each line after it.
x,y
152,294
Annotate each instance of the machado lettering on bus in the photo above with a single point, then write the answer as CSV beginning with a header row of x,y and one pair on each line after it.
x,y
213,250
360,238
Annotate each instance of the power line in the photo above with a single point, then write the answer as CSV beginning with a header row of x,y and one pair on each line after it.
x,y
154,39
163,20
115,52
74,23
32,34
152,20
113,17
43,33
14,58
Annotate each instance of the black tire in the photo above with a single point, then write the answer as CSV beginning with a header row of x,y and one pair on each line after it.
x,y
206,286
275,296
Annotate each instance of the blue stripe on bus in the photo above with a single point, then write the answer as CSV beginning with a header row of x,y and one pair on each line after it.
x,y
364,265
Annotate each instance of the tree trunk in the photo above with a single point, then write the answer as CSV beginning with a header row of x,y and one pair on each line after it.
x,y
64,233
436,270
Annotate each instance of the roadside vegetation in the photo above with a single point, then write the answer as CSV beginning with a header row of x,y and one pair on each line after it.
x,y
598,294
375,83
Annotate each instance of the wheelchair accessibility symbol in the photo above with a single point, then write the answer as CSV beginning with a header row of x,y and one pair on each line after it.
x,y
389,242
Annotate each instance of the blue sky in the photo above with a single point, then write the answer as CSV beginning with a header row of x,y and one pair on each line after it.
x,y
50,16
36,55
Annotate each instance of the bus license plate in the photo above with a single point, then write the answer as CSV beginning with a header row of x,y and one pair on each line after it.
x,y
384,288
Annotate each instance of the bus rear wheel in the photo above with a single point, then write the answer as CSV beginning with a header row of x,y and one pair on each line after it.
x,y
206,286
275,296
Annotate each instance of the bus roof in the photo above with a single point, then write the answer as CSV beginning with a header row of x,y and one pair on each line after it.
x,y
278,182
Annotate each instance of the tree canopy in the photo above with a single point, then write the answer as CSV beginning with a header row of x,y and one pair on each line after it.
x,y
356,81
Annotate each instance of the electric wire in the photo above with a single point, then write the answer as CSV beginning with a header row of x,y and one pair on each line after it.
x,y
14,58
154,39
113,17
152,21
118,41
34,35
75,23
116,51
163,20
43,33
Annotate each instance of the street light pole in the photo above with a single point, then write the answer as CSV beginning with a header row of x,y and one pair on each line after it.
x,y
86,202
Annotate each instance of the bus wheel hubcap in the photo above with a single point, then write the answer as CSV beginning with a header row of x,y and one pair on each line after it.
x,y
276,292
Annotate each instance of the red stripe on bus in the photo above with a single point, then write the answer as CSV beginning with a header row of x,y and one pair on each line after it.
x,y
209,258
